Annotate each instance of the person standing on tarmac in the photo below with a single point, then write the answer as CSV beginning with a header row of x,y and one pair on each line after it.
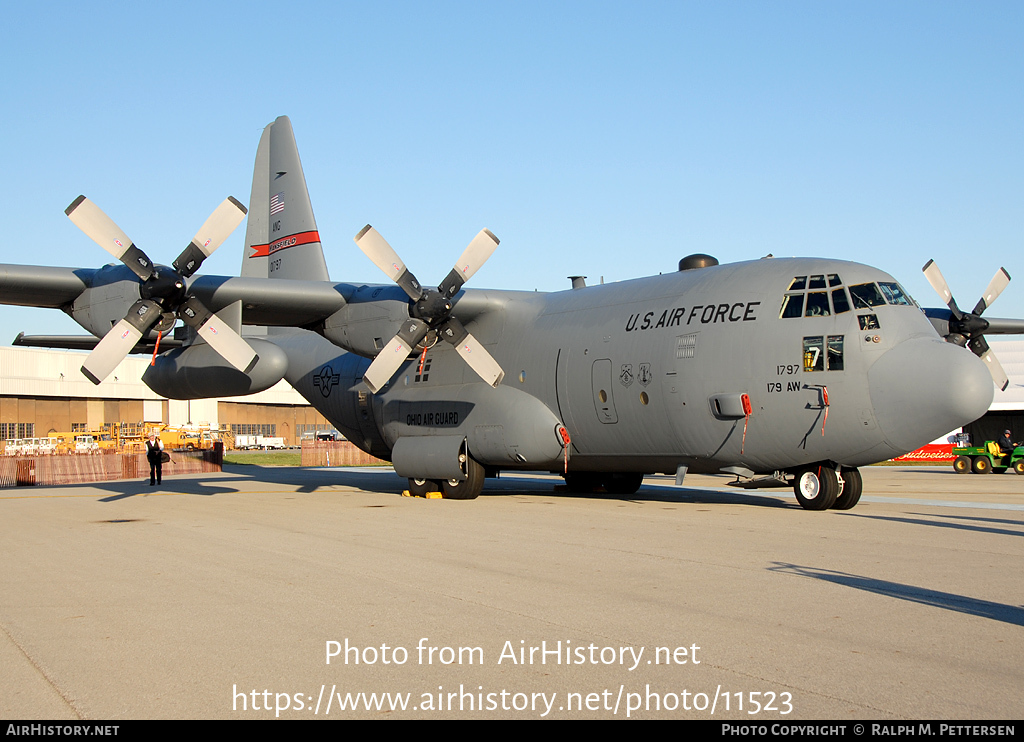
x,y
154,454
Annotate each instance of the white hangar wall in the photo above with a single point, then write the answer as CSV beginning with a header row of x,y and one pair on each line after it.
x,y
46,389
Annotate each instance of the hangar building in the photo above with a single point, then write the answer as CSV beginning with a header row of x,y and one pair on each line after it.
x,y
1007,410
44,391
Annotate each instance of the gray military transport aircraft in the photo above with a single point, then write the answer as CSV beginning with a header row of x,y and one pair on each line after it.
x,y
782,372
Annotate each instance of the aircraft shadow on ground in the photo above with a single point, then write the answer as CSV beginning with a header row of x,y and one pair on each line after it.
x,y
646,493
193,485
385,481
923,521
1010,614
313,478
303,479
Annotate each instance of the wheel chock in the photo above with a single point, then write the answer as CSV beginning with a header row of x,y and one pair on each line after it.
x,y
428,496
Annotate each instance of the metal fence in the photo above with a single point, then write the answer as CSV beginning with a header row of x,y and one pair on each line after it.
x,y
23,471
336,453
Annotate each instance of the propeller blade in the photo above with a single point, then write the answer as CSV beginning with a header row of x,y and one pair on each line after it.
x,y
995,287
228,343
222,222
471,260
480,360
938,282
996,369
389,360
472,352
377,249
118,343
101,229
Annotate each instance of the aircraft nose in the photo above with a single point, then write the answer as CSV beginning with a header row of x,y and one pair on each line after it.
x,y
922,389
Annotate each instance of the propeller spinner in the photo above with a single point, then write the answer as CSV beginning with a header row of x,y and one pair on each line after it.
x,y
163,289
431,310
968,328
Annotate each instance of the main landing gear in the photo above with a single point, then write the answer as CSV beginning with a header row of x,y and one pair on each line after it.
x,y
821,487
453,489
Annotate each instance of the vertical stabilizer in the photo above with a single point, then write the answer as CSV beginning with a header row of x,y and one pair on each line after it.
x,y
282,240
257,229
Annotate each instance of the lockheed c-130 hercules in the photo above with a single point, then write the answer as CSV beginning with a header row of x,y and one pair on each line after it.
x,y
782,372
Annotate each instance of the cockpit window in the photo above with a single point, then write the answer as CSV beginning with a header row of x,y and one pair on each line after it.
x,y
868,321
839,301
835,353
811,303
866,295
894,294
817,304
792,306
814,357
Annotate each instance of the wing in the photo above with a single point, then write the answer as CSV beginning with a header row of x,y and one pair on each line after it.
x,y
42,286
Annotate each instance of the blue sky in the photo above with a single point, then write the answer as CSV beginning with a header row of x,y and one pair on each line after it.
x,y
608,139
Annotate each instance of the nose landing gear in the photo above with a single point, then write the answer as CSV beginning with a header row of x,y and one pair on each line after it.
x,y
821,487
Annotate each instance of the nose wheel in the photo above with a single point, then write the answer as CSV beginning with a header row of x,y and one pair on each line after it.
x,y
851,487
816,487
821,487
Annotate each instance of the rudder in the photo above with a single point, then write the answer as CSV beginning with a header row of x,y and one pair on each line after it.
x,y
281,238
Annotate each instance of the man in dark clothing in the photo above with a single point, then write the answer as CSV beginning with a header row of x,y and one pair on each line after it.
x,y
1005,444
154,454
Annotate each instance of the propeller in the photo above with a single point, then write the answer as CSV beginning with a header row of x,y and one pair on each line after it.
x,y
163,289
967,329
430,311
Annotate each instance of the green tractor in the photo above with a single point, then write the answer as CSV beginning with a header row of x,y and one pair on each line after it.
x,y
987,459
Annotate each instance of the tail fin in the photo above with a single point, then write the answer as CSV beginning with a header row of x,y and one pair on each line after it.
x,y
257,228
281,239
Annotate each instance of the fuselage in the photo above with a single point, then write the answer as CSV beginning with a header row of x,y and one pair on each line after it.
x,y
761,366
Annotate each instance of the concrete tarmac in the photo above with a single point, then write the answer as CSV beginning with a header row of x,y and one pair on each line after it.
x,y
221,596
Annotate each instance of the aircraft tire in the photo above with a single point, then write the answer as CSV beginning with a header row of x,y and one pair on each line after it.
x,y
981,465
849,494
624,483
468,488
962,465
816,487
420,487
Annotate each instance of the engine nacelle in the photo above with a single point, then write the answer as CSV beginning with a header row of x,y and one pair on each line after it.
x,y
369,320
198,371
112,292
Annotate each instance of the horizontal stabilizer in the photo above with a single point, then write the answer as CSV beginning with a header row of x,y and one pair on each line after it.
x,y
86,342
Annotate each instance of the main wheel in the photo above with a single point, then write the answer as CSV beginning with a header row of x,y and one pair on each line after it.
x,y
981,465
962,465
420,487
623,483
816,488
849,493
468,488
